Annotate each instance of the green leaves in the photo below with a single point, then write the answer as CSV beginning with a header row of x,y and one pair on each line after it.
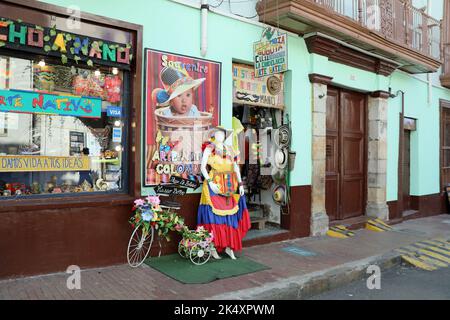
x,y
76,58
2,44
52,32
85,50
47,48
63,59
47,38
90,63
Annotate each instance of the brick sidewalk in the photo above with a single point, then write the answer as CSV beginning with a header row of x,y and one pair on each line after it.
x,y
123,282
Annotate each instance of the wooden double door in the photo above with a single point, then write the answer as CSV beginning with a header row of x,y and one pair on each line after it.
x,y
346,154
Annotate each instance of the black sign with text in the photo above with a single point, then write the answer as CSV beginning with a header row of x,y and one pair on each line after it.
x,y
170,191
184,182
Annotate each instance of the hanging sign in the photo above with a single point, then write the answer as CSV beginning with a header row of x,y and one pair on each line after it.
x,y
41,103
43,163
263,92
270,53
184,182
50,41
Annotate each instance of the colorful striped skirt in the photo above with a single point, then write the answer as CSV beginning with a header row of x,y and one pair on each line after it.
x,y
226,217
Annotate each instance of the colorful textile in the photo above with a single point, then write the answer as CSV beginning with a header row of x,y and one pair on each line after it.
x,y
226,217
113,85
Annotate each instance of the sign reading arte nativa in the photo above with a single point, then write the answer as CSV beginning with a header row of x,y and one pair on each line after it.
x,y
270,54
22,163
40,103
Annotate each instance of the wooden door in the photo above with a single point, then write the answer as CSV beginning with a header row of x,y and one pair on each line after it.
x,y
345,188
406,170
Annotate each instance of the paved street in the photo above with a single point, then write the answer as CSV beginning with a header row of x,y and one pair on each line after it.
x,y
399,283
299,268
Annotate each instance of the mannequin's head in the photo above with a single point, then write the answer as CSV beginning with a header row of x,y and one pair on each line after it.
x,y
219,134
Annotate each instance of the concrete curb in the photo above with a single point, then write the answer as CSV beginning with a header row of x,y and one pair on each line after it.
x,y
308,285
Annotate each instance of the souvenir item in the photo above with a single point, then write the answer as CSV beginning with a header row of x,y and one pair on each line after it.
x,y
292,155
35,188
282,136
281,158
102,135
110,154
279,195
87,84
113,85
279,176
44,78
86,186
101,185
6,193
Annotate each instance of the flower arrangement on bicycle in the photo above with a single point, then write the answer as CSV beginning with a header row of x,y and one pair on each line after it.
x,y
196,245
148,213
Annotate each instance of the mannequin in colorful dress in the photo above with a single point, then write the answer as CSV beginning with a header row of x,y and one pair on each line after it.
x,y
222,211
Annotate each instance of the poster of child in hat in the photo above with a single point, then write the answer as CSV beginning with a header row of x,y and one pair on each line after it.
x,y
182,103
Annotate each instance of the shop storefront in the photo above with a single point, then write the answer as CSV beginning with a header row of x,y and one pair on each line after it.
x,y
70,96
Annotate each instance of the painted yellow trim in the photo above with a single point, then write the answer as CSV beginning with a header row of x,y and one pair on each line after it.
x,y
335,234
418,263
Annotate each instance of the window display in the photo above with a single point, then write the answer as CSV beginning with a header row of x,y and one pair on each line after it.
x,y
57,131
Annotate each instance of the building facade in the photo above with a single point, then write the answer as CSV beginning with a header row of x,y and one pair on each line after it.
x,y
366,100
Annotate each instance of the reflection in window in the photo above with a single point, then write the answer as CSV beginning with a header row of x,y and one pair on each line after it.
x,y
56,152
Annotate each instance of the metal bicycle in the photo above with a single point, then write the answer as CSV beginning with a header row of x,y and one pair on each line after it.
x,y
141,241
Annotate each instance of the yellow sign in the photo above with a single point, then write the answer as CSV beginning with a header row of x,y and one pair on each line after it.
x,y
42,163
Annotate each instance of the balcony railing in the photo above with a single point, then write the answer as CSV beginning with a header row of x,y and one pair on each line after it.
x,y
396,20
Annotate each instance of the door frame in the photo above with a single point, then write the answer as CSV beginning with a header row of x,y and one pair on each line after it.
x,y
365,151
442,104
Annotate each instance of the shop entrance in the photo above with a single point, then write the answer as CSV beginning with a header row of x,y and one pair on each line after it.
x,y
345,188
257,166
264,145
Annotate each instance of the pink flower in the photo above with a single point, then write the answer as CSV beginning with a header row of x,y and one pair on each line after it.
x,y
154,200
139,202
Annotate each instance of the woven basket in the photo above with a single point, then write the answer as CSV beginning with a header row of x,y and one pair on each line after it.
x,y
193,131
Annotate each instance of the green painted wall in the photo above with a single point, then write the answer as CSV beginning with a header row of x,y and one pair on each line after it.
x,y
173,27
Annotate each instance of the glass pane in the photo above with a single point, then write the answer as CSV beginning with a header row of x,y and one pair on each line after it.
x,y
57,131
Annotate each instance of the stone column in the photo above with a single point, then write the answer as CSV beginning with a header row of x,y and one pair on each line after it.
x,y
377,154
319,218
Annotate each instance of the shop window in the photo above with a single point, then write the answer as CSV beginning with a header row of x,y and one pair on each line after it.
x,y
62,129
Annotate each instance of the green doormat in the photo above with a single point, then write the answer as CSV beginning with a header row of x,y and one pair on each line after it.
x,y
185,271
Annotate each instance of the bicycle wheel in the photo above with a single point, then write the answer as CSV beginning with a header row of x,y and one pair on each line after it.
x,y
139,246
182,250
199,255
